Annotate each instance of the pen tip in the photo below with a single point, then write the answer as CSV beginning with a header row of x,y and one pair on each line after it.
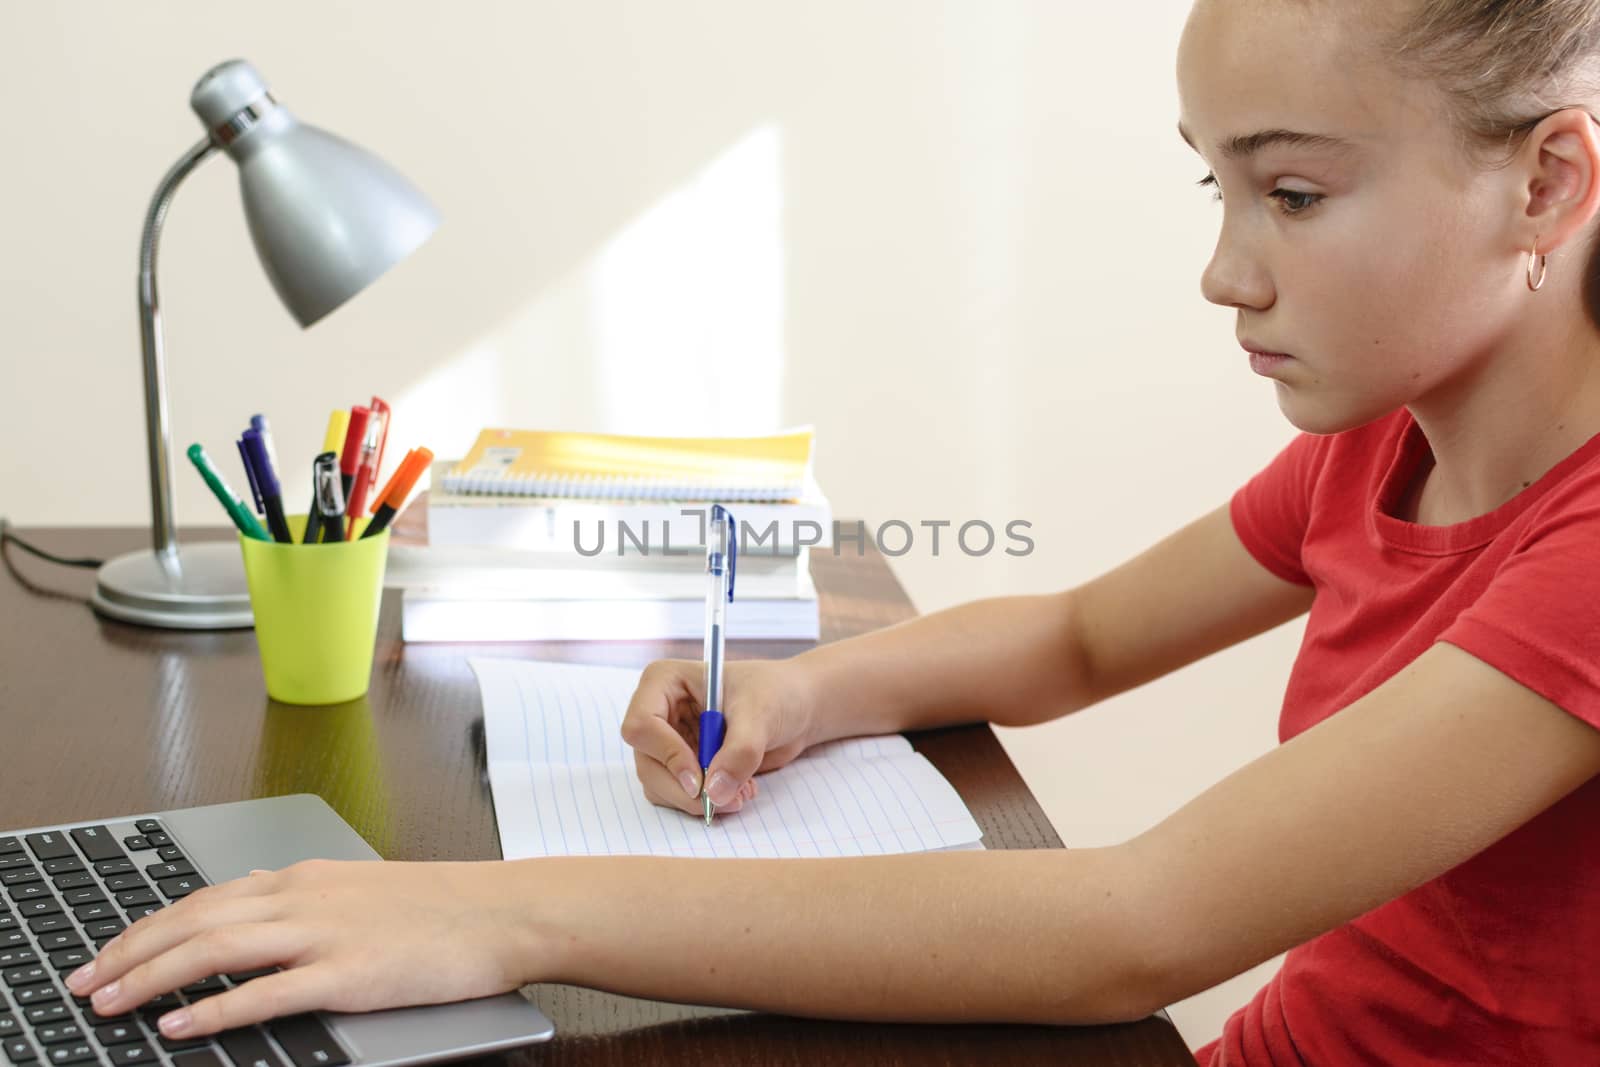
x,y
705,798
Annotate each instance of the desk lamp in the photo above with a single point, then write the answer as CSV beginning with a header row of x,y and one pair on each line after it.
x,y
327,218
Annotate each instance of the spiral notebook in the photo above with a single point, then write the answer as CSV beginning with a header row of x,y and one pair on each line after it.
x,y
625,467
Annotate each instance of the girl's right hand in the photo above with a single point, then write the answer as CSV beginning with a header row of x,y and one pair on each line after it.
x,y
769,716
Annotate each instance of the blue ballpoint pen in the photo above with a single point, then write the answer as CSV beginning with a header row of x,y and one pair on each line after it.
x,y
722,553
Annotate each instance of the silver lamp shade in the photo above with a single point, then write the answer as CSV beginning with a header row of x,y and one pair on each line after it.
x,y
327,218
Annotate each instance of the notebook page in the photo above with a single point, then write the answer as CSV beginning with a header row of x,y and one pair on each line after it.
x,y
564,782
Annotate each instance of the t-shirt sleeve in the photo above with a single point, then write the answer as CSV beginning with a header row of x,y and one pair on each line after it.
x,y
1271,511
1538,621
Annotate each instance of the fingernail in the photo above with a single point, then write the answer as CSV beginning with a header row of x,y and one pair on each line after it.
x,y
689,781
175,1023
77,978
722,788
107,993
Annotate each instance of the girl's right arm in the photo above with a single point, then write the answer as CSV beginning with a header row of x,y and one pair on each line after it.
x,y
1009,660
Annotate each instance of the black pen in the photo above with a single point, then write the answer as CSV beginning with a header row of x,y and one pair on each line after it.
x,y
330,496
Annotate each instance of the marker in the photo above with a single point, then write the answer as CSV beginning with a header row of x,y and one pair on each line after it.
x,y
367,466
264,483
393,497
350,454
332,441
259,424
330,497
235,508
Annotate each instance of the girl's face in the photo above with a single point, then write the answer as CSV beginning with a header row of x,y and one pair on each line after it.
x,y
1356,236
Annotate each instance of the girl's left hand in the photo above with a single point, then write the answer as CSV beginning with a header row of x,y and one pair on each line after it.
x,y
351,936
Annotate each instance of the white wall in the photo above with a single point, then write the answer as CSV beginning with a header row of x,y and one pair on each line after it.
x,y
961,239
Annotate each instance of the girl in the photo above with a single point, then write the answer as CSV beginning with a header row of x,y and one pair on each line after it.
x,y
1409,193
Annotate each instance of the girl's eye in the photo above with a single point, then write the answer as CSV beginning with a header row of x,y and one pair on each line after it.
x,y
1290,201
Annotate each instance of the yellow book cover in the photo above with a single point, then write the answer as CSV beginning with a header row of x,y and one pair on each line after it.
x,y
623,466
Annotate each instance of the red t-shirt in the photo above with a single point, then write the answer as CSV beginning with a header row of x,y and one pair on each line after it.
x,y
1494,961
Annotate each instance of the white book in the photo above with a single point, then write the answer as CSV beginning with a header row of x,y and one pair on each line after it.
x,y
592,529
425,616
465,573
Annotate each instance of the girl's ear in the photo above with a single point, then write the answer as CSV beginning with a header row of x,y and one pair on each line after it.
x,y
1562,161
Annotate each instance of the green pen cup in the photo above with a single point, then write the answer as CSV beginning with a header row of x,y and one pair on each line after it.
x,y
316,613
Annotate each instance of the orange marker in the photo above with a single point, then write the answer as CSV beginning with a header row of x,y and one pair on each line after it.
x,y
393,497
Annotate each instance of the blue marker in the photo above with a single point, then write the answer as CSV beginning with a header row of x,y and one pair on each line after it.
x,y
722,553
264,484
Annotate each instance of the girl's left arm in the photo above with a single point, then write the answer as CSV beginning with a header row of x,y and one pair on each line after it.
x,y
1436,764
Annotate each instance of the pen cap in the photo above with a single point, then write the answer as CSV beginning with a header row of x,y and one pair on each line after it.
x,y
405,476
260,466
354,436
325,481
723,544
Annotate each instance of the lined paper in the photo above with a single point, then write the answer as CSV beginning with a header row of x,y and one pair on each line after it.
x,y
564,782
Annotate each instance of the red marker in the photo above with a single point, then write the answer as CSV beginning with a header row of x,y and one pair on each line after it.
x,y
371,458
393,497
350,458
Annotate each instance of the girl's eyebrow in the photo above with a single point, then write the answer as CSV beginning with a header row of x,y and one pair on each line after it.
x,y
1242,146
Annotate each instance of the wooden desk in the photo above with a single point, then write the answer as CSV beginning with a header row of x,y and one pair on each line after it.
x,y
105,719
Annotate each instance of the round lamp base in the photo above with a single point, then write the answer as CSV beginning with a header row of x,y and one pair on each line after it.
x,y
206,589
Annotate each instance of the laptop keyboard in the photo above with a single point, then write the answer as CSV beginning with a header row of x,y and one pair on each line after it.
x,y
63,895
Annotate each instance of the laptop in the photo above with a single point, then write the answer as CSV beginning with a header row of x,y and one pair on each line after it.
x,y
65,890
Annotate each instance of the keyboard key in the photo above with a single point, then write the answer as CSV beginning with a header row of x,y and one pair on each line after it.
x,y
170,853
36,994
178,888
8,922
104,929
44,1014
202,1057
13,939
19,875
118,1033
96,844
137,843
95,1019
34,908
149,826
172,1044
108,868
89,894
244,976
247,1048
9,845
119,882
158,871
133,898
49,845
59,941
131,1054
158,840
45,924
30,891
205,985
28,975
15,860
17,957
75,880
135,914
308,1042
20,1050
59,1034
88,913
78,1052
70,959
10,1026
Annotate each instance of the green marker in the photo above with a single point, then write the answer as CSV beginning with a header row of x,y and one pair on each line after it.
x,y
247,523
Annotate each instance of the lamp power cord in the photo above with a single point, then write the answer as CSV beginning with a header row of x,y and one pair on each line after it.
x,y
8,537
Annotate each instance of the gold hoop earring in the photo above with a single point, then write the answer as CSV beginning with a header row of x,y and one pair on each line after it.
x,y
1534,283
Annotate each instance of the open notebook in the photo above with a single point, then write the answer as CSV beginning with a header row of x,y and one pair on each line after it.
x,y
564,782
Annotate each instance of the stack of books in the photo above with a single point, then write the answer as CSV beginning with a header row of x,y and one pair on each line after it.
x,y
539,536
